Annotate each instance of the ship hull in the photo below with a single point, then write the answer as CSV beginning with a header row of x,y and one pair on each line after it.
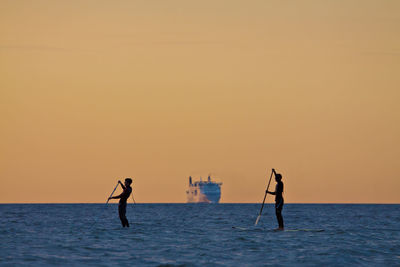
x,y
204,192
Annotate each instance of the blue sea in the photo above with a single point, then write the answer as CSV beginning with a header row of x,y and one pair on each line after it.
x,y
199,235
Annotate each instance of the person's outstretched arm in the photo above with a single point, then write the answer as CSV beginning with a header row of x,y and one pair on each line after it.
x,y
122,185
119,196
123,194
270,192
116,197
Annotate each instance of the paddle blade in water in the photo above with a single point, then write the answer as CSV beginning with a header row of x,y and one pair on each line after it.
x,y
258,218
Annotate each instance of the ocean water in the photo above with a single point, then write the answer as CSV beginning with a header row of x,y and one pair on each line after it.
x,y
198,235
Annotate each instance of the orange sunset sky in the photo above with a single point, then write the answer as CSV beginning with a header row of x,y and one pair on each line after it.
x,y
93,91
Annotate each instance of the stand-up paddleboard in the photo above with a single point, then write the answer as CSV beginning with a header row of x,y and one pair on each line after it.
x,y
240,228
296,230
247,228
303,230
276,230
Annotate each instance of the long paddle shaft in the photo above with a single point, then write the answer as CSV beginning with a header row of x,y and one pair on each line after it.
x,y
115,188
112,193
262,206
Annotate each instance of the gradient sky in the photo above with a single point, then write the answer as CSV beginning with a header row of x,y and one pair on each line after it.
x,y
93,91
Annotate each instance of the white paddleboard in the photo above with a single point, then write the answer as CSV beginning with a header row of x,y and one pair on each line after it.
x,y
303,230
277,230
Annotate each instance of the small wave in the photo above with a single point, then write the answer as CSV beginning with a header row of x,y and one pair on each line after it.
x,y
168,235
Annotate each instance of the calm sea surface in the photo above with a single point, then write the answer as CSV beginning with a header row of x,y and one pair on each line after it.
x,y
198,235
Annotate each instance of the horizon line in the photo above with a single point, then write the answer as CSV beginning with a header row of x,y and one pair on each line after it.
x,y
301,203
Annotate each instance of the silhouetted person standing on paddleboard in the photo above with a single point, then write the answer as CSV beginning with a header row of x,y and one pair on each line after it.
x,y
278,198
123,197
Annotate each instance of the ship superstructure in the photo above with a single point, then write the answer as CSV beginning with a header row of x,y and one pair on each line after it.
x,y
203,192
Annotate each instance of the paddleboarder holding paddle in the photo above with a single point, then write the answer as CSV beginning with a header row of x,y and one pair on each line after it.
x,y
278,198
123,197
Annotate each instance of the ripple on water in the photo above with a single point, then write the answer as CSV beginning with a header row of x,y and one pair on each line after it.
x,y
198,235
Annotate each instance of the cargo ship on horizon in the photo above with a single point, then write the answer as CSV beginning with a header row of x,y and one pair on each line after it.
x,y
203,192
